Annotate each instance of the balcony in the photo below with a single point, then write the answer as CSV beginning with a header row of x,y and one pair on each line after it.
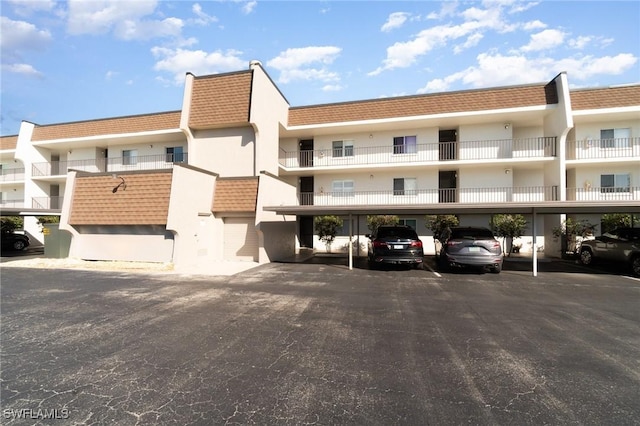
x,y
12,175
11,203
604,194
486,150
53,203
433,196
112,164
603,149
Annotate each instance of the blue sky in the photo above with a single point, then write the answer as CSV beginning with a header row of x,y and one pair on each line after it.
x,y
77,60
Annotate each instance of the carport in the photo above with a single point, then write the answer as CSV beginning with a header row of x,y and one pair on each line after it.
x,y
533,209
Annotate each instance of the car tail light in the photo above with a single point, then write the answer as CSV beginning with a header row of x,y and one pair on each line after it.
x,y
453,243
379,244
416,244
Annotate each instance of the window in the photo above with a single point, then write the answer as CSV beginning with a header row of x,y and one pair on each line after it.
x,y
413,223
342,188
615,183
129,157
404,145
175,154
404,186
615,138
342,148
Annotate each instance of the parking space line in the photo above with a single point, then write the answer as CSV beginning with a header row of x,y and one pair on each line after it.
x,y
432,270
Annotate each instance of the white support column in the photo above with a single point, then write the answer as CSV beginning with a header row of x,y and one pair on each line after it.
x,y
350,242
534,245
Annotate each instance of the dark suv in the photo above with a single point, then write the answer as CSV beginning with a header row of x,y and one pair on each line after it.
x,y
395,245
619,245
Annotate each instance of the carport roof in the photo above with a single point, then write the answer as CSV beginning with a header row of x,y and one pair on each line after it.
x,y
549,207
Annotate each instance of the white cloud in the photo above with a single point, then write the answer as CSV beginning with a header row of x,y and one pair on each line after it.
x,y
471,41
145,30
124,19
20,36
332,88
447,8
534,25
306,63
24,69
477,21
203,18
586,67
180,61
27,7
249,6
580,42
500,70
110,74
544,40
395,20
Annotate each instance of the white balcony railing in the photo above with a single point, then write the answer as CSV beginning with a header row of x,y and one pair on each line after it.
x,y
603,149
11,203
604,194
113,164
432,196
54,203
12,175
431,152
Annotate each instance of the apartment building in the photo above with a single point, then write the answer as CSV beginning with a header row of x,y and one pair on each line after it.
x,y
239,174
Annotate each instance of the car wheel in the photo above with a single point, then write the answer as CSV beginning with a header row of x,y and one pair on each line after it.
x,y
19,245
586,257
496,269
635,265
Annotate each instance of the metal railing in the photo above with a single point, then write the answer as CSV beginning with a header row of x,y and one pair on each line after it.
x,y
112,164
600,149
54,203
432,196
10,175
12,203
431,152
629,193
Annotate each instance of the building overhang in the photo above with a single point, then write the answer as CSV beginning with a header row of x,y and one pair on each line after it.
x,y
555,207
21,211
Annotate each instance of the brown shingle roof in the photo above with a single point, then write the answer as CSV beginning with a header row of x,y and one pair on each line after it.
x,y
220,100
440,103
235,195
8,142
108,126
145,201
608,97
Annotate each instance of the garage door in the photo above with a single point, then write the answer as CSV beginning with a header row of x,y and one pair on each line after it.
x,y
240,239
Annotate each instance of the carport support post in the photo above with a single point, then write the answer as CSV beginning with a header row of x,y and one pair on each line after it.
x,y
350,243
534,245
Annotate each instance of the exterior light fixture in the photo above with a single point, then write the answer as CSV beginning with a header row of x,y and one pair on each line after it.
x,y
122,184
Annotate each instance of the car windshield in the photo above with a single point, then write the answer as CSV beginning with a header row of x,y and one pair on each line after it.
x,y
397,232
471,233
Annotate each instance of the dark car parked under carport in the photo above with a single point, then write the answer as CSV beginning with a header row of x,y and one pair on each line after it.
x,y
14,241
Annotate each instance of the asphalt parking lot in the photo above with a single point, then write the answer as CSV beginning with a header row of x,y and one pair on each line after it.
x,y
316,343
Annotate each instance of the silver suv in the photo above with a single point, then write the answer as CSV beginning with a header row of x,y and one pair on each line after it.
x,y
619,245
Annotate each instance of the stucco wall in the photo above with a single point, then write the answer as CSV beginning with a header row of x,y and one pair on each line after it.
x,y
116,243
197,232
276,233
227,152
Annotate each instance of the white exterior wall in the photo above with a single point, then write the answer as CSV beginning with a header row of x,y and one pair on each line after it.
x,y
227,152
269,110
196,231
276,233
